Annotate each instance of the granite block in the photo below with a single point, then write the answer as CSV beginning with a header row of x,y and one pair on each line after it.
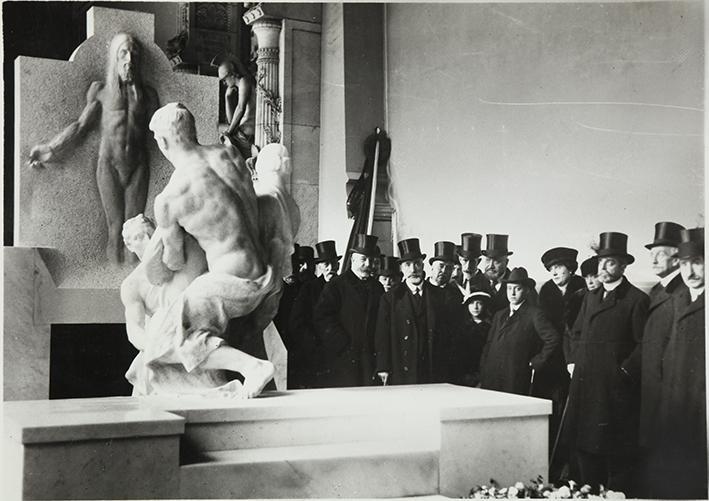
x,y
306,196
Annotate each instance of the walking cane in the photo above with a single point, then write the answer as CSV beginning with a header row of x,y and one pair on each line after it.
x,y
558,432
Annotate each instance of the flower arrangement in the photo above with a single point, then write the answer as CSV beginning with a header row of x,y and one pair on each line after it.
x,y
538,489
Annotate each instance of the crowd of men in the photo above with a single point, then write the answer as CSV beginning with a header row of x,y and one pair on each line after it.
x,y
624,370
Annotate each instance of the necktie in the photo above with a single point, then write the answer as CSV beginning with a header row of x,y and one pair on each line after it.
x,y
417,298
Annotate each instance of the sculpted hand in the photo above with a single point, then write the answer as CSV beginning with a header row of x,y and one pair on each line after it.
x,y
38,154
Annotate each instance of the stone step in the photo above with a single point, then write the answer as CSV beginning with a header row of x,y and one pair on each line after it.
x,y
373,469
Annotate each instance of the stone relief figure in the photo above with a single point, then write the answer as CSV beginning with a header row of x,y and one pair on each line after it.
x,y
240,104
124,105
245,229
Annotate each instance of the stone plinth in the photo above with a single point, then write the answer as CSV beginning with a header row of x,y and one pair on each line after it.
x,y
354,442
58,206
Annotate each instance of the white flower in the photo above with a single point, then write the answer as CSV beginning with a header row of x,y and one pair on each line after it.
x,y
512,492
564,492
614,495
519,486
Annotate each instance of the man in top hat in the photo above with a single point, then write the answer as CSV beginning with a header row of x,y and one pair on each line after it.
x,y
589,272
303,269
521,341
494,263
345,319
307,358
412,333
389,272
469,258
648,355
604,396
679,450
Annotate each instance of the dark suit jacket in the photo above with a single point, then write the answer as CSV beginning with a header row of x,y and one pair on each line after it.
x,y
604,401
345,317
499,297
646,361
680,438
397,337
305,358
515,346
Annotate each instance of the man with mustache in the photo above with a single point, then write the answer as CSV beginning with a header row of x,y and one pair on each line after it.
x,y
494,263
307,354
678,456
604,396
413,337
345,318
469,253
124,105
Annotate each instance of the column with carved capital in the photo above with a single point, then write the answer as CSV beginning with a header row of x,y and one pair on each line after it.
x,y
268,100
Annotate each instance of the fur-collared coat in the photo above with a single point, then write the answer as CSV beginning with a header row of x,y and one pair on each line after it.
x,y
604,400
345,317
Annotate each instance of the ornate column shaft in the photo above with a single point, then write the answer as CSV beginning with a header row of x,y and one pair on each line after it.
x,y
268,100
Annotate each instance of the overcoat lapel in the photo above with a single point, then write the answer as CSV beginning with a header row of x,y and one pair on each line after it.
x,y
692,307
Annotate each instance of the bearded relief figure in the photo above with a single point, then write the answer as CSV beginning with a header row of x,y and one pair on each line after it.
x,y
121,107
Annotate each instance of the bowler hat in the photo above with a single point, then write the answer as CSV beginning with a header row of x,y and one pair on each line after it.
x,y
389,266
476,294
443,251
589,266
410,249
519,276
496,246
559,255
326,251
613,243
470,245
666,233
366,244
692,243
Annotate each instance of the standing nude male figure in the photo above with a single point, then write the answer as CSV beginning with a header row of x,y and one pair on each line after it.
x,y
125,106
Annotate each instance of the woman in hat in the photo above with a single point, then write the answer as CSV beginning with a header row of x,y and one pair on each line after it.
x,y
472,336
521,341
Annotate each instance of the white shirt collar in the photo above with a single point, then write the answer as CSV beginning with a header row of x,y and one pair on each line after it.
x,y
666,280
413,288
695,293
515,307
613,285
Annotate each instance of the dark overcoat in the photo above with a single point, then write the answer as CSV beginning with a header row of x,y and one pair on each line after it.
x,y
345,318
466,351
499,297
307,354
604,401
649,354
397,336
680,438
515,345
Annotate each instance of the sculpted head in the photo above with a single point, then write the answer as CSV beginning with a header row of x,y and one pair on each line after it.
x,y
124,58
273,159
173,124
136,234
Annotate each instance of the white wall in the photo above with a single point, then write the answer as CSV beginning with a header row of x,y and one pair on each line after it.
x,y
497,125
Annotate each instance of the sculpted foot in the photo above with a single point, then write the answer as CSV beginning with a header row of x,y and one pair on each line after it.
x,y
257,378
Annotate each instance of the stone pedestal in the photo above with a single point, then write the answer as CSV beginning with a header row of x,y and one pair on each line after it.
x,y
268,102
370,442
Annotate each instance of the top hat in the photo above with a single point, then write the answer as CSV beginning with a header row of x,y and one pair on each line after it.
x,y
692,243
326,251
519,276
559,255
476,294
443,251
613,243
496,246
589,266
470,245
666,233
389,266
366,244
410,249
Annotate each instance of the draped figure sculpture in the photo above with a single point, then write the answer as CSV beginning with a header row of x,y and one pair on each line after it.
x,y
244,227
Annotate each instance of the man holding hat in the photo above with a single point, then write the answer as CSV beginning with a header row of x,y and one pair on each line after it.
x,y
307,361
389,272
412,333
604,397
648,355
521,341
494,262
678,458
469,258
345,318
303,270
